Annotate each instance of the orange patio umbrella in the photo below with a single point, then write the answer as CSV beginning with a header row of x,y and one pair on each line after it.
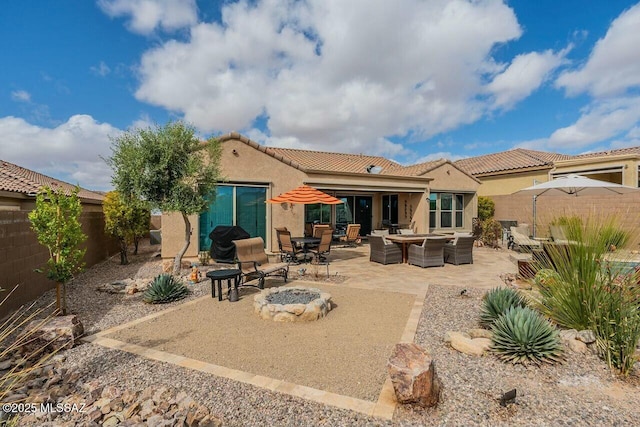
x,y
305,195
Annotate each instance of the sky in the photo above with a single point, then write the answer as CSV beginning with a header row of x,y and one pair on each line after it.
x,y
410,80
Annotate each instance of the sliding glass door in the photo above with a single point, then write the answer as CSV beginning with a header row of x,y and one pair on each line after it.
x,y
235,205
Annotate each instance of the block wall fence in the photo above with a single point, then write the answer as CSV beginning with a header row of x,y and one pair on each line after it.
x,y
21,254
625,208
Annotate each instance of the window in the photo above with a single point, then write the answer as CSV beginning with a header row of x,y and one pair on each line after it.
x,y
317,213
446,210
390,208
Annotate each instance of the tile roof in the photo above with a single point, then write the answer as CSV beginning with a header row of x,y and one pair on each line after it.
x,y
335,162
616,152
510,160
419,168
16,179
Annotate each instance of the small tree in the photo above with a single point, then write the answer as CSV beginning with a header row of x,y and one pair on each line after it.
x,y
486,208
56,222
169,168
126,220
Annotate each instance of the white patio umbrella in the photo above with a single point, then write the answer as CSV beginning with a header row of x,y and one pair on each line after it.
x,y
573,184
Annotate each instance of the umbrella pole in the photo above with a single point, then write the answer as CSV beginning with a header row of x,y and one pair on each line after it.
x,y
534,215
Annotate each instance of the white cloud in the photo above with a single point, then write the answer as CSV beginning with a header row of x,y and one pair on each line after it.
x,y
343,76
614,64
524,75
101,69
599,122
147,15
70,151
21,96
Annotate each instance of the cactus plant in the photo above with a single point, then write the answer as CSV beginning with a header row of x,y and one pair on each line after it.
x,y
165,288
522,335
498,301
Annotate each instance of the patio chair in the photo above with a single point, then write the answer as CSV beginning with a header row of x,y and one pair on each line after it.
x,y
406,231
384,232
352,236
429,254
520,238
321,253
559,235
384,252
254,262
324,247
288,251
459,251
319,228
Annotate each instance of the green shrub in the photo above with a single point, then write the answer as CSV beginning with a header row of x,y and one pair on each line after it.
x,y
496,302
616,323
486,208
165,288
571,301
491,232
522,335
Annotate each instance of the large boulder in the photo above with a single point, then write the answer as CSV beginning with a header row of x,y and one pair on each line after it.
x,y
413,374
57,333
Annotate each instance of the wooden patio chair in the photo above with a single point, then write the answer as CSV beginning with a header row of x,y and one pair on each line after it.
x,y
384,252
429,254
352,236
254,262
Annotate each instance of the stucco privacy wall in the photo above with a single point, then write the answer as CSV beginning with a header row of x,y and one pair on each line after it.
x,y
625,207
21,254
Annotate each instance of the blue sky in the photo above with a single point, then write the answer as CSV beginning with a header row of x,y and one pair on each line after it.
x,y
410,80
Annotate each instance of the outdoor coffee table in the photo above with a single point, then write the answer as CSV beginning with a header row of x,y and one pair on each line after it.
x,y
217,276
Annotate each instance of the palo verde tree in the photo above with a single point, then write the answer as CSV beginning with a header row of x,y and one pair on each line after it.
x,y
169,168
56,222
125,219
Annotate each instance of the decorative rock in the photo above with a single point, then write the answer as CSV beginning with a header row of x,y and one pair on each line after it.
x,y
57,333
568,334
111,421
466,345
484,343
586,336
412,372
577,346
448,334
480,333
6,364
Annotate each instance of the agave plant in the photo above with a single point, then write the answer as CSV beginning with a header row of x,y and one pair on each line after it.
x,y
496,302
522,335
165,288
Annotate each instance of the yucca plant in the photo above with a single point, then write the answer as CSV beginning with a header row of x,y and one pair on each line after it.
x,y
522,335
165,288
496,302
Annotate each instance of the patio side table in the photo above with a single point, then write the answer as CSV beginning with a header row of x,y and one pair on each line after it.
x,y
217,276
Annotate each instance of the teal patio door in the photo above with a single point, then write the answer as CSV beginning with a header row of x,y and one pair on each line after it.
x,y
235,205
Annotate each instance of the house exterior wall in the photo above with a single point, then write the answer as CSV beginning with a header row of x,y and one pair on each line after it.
x,y
509,183
21,254
627,164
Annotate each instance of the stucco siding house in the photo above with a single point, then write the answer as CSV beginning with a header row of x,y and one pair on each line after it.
x,y
431,196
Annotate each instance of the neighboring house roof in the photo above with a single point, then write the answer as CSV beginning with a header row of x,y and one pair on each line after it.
x,y
512,160
609,153
16,179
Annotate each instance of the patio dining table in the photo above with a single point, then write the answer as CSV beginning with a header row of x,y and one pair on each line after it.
x,y
305,243
407,239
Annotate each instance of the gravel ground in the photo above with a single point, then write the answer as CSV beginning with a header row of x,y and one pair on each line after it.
x,y
581,391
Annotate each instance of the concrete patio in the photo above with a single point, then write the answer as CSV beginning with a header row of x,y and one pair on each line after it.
x,y
484,273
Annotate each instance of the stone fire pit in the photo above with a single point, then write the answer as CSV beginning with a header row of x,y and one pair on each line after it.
x,y
292,304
